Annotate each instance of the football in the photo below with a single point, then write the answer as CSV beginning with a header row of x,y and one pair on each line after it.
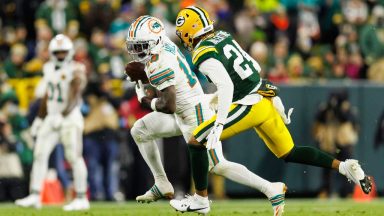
x,y
135,70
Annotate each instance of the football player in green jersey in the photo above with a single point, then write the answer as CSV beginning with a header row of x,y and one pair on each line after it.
x,y
218,56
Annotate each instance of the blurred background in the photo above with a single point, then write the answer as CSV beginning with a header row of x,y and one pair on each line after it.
x,y
327,56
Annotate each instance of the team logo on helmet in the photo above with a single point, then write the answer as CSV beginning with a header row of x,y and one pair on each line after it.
x,y
155,26
180,21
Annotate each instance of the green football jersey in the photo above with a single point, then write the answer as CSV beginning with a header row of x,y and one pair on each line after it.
x,y
242,68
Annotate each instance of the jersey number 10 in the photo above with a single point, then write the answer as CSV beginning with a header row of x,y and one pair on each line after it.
x,y
243,62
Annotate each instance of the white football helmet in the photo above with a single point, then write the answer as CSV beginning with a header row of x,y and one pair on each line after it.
x,y
61,43
145,38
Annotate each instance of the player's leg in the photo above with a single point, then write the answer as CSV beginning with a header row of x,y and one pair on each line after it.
x,y
72,139
199,156
145,131
238,173
278,139
45,142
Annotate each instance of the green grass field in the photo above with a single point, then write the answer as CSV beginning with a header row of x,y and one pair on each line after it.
x,y
294,207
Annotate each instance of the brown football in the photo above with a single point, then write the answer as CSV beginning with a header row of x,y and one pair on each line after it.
x,y
135,70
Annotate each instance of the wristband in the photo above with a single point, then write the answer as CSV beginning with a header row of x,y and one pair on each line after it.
x,y
153,104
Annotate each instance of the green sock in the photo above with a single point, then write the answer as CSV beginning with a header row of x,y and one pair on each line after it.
x,y
199,165
310,155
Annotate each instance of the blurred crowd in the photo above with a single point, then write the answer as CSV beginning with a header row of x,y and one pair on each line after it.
x,y
293,40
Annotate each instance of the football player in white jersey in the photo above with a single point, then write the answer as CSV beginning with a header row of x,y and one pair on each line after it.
x,y
180,107
59,119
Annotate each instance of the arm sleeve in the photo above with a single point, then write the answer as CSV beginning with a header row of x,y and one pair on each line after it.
x,y
216,71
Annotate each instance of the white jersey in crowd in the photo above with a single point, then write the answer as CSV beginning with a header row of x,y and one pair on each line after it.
x,y
57,82
169,68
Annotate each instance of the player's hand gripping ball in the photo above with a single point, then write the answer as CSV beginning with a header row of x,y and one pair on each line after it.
x,y
135,72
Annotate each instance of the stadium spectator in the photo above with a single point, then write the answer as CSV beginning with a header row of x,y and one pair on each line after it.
x,y
57,14
98,52
35,65
11,173
100,15
335,130
100,144
14,65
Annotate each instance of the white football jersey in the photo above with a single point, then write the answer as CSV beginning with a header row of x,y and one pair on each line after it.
x,y
169,68
57,82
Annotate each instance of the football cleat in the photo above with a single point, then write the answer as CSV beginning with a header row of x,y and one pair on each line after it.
x,y
77,204
352,170
160,191
33,201
278,198
191,204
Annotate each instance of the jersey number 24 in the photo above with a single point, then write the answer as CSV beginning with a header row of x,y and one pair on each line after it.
x,y
243,62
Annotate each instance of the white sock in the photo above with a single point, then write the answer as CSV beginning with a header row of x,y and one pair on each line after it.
x,y
80,177
151,155
240,174
200,197
342,168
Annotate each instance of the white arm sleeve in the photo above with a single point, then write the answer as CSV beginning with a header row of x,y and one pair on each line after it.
x,y
216,71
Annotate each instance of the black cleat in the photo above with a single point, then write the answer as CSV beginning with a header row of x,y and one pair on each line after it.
x,y
366,184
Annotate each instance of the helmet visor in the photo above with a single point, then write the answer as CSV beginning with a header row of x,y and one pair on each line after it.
x,y
138,50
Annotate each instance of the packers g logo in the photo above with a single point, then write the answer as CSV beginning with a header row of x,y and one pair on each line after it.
x,y
154,26
180,21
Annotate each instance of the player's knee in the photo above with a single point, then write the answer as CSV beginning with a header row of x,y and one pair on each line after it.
x,y
139,132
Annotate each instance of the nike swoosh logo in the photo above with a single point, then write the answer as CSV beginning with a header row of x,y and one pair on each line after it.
x,y
192,210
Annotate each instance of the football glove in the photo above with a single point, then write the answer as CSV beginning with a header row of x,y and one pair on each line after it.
x,y
267,89
213,137
279,106
140,91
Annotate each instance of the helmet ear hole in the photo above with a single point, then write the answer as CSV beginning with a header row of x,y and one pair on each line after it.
x,y
186,35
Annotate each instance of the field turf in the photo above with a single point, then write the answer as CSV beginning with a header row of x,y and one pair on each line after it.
x,y
259,207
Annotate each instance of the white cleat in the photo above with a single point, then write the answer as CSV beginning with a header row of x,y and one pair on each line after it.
x,y
77,204
352,170
32,201
191,204
160,191
278,198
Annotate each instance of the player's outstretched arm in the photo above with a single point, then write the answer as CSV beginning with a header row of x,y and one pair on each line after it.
x,y
166,103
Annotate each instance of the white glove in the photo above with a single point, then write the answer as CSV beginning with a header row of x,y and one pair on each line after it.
x,y
213,137
57,121
279,106
36,124
140,92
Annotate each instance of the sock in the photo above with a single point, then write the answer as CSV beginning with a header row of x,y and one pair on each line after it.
x,y
240,174
342,169
151,155
311,156
200,197
199,165
79,176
